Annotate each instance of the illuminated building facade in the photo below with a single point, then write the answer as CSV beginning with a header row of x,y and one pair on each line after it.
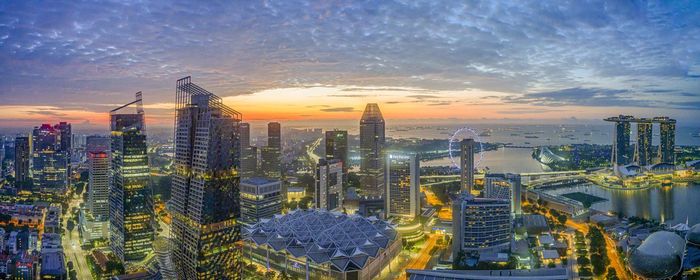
x,y
466,164
271,154
261,198
23,159
94,220
667,145
402,196
249,155
372,142
337,148
205,189
643,143
505,186
329,185
480,224
130,203
51,157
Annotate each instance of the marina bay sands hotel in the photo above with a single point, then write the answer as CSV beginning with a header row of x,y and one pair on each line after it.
x,y
622,153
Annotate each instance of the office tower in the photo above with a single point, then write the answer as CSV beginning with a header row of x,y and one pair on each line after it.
x,y
23,158
644,135
329,184
371,151
505,186
271,154
249,155
205,190
667,145
261,198
130,203
337,148
94,220
480,224
402,197
50,162
163,249
466,164
2,156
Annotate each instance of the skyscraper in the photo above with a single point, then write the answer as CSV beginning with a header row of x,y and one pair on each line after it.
x,y
644,134
205,192
130,202
667,145
249,155
505,186
50,157
371,151
94,220
480,224
466,164
261,198
271,154
337,148
23,157
402,197
329,184
621,146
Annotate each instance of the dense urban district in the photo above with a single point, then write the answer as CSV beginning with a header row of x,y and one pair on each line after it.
x,y
216,199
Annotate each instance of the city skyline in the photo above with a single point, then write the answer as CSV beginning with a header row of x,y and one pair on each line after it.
x,y
308,61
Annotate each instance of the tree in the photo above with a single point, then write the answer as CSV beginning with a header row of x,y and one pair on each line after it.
x,y
304,202
551,265
70,265
611,274
270,274
70,225
562,219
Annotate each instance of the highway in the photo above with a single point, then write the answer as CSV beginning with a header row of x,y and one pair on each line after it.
x,y
71,244
313,158
424,256
610,249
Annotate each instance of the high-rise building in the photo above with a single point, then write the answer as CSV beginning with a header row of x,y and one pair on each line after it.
x,y
270,155
94,220
621,142
466,164
371,151
97,143
249,154
130,203
337,148
329,184
205,191
505,186
667,145
402,197
480,224
644,134
23,158
261,198
51,157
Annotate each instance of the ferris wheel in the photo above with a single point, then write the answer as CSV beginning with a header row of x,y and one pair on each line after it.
x,y
454,148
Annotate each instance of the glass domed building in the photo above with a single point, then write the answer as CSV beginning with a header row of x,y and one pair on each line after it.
x,y
658,257
693,235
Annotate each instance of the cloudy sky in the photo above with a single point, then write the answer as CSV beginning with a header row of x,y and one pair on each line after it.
x,y
311,60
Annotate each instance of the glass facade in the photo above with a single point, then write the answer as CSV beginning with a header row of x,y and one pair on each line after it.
x,y
329,184
337,148
371,151
402,181
205,191
644,135
51,157
667,144
481,224
131,206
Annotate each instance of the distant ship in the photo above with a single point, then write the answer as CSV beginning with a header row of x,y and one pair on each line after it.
x,y
486,133
531,136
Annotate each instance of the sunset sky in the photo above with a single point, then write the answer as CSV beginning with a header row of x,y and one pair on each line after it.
x,y
311,60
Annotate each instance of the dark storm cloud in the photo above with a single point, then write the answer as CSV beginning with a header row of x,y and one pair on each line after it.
x,y
63,53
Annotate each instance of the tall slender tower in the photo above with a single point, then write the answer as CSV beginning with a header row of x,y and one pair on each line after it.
x,y
466,164
272,153
371,151
337,148
329,184
644,134
402,196
130,202
23,158
205,193
249,157
667,145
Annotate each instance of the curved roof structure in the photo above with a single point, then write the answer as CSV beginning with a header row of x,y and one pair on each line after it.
x,y
693,235
659,256
348,242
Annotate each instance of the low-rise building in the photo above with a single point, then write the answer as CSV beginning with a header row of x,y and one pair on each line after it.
x,y
261,198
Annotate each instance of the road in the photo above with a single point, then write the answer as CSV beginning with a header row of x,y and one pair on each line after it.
x,y
310,152
71,244
610,249
424,256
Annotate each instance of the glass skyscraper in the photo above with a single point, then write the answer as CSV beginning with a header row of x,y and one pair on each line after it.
x,y
402,197
205,192
51,157
271,154
371,151
23,159
644,135
466,164
337,148
130,202
667,145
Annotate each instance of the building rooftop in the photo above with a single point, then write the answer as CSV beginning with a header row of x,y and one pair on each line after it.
x,y
534,274
348,242
52,263
372,113
258,181
659,256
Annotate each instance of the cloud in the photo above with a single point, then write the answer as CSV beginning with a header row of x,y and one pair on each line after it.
x,y
339,109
